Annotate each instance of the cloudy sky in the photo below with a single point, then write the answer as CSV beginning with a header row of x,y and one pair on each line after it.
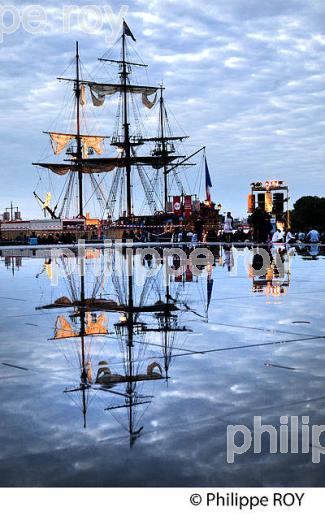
x,y
244,77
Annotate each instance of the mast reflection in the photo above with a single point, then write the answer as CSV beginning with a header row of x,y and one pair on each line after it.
x,y
139,315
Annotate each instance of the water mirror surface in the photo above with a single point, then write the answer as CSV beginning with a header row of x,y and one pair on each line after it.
x,y
116,372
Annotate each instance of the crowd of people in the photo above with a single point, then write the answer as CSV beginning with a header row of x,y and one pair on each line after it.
x,y
263,230
46,238
260,229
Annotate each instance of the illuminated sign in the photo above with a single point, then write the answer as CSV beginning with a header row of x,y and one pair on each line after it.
x,y
267,185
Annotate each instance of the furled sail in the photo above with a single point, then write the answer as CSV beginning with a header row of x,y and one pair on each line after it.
x,y
98,99
106,377
151,368
147,102
83,98
59,169
98,92
63,169
107,164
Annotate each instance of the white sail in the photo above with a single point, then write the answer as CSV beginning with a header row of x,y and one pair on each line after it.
x,y
99,91
147,102
59,141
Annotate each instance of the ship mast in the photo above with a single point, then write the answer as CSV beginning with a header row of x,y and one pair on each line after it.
x,y
163,142
126,125
84,377
84,383
160,159
130,329
77,90
165,148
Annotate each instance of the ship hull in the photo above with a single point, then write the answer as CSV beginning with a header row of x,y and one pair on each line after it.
x,y
154,228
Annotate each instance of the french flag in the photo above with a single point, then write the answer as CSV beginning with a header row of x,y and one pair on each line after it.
x,y
208,183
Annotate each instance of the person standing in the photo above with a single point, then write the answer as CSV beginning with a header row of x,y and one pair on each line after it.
x,y
313,236
228,226
198,226
278,236
261,225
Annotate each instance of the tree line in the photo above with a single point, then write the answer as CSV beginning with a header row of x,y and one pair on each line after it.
x,y
308,212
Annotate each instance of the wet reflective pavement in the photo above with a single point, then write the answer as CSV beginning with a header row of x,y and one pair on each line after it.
x,y
109,377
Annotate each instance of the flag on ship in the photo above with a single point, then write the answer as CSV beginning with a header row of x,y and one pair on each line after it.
x,y
127,31
208,183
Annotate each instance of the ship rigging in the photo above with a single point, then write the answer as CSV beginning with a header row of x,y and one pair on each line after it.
x,y
154,163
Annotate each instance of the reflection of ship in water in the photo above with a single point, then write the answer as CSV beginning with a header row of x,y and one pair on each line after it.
x,y
275,267
89,324
13,263
145,317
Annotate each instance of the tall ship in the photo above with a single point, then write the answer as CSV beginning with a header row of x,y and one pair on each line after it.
x,y
141,179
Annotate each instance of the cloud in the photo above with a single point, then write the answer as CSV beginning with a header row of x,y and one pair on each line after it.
x,y
234,62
